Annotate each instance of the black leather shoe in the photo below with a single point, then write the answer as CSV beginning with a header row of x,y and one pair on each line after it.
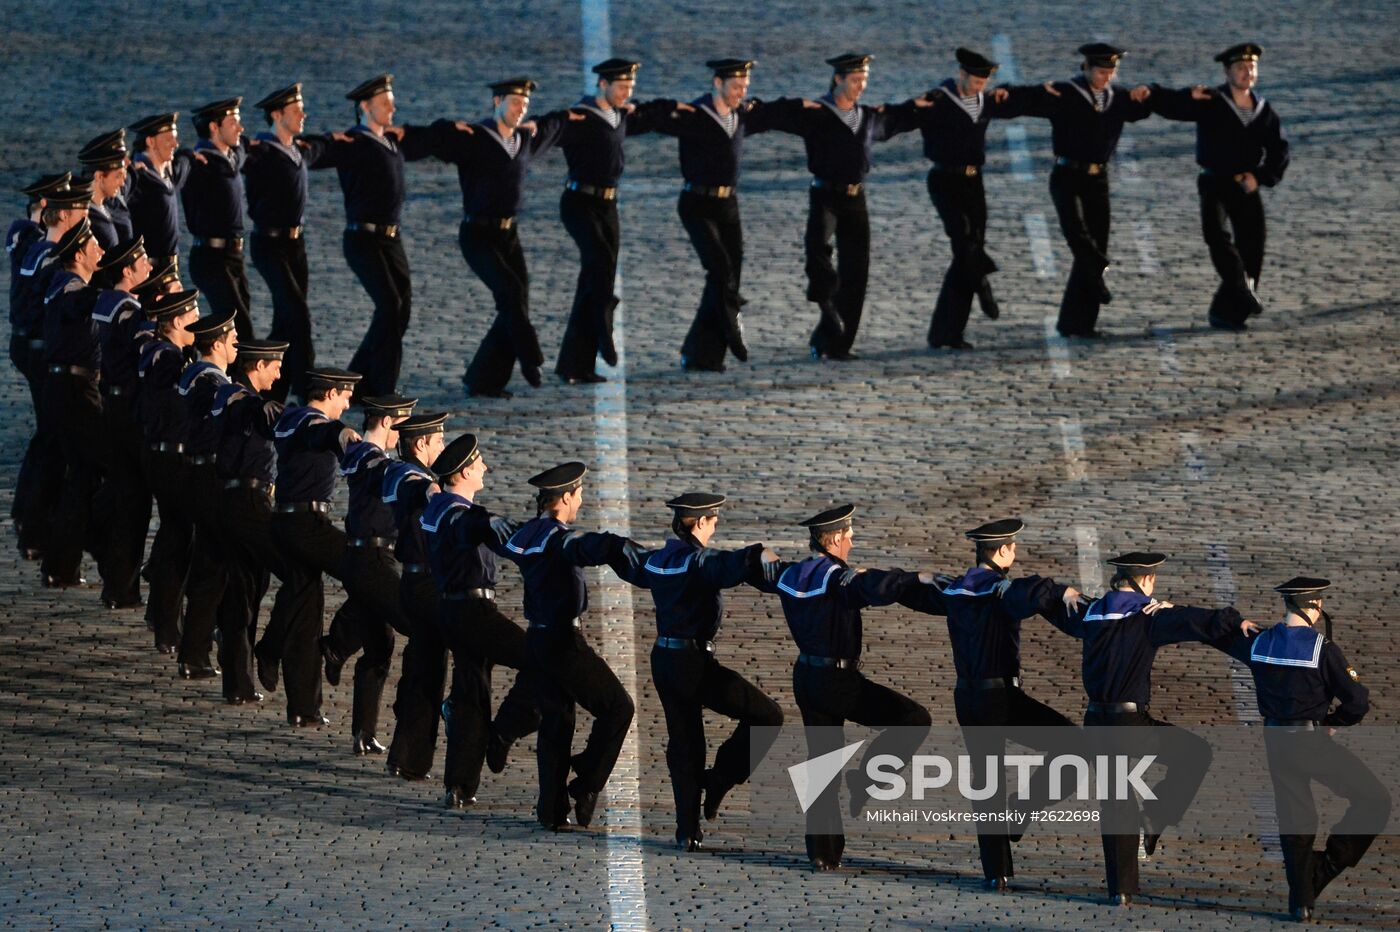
x,y
244,700
690,365
585,801
394,770
822,865
368,744
714,795
1105,296
53,582
456,799
166,648
591,378
267,667
1301,914
497,752
333,663
608,351
1220,323
1149,841
1120,899
532,375
953,345
314,720
189,671
504,394
686,843
116,605
996,884
990,309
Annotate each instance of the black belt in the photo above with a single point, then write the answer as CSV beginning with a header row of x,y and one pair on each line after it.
x,y
116,391
278,232
490,223
365,543
723,190
474,594
607,194
850,190
1306,724
164,447
391,230
970,171
230,243
574,623
247,484
74,370
290,507
1088,168
415,569
686,644
1113,708
202,459
839,663
996,682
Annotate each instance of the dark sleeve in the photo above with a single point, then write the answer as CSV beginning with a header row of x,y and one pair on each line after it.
x,y
876,587
449,143
1175,105
265,415
549,129
926,598
1015,105
593,548
417,143
647,116
331,435
757,117
629,563
1134,111
786,115
472,527
1033,595
893,119
333,154
1185,623
1237,644
181,164
677,123
725,569
1033,100
1275,163
1344,684
766,577
313,148
1070,622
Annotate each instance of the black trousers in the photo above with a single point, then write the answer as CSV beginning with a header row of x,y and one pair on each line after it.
x,y
593,224
572,674
282,264
245,523
1081,201
996,715
209,566
73,407
169,563
422,680
712,223
689,682
1238,259
961,203
123,501
1296,761
1186,758
40,476
309,547
381,266
366,622
481,637
839,288
222,281
830,697
497,259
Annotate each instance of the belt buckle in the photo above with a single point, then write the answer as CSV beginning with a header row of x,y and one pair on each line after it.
x,y
1095,168
970,170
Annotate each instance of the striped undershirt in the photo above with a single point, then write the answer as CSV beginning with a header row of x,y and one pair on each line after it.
x,y
850,117
730,122
613,116
973,106
1100,99
1246,114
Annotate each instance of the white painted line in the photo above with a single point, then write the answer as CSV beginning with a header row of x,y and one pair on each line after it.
x,y
1057,349
1086,540
1042,253
1166,351
1073,437
627,903
1015,132
1146,244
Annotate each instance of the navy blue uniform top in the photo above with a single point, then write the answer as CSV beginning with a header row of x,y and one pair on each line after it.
x,y
122,328
1122,632
366,515
71,336
593,146
309,448
213,192
951,135
710,157
22,234
198,385
275,177
835,154
551,557
462,539
822,598
1228,142
151,199
985,612
1077,130
161,411
687,583
1297,674
492,180
371,171
404,488
244,420
28,289
111,222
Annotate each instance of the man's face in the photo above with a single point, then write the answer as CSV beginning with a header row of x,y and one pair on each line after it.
x,y
68,219
971,84
292,118
1243,75
162,146
141,269
732,90
228,130
618,92
431,448
338,401
475,475
188,317
89,254
108,183
1099,77
852,85
380,108
511,109
264,373
226,350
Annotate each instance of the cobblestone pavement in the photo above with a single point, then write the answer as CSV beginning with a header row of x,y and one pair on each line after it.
x,y
129,799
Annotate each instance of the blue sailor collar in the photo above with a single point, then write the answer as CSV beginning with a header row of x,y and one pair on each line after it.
x,y
36,258
673,559
153,173
16,229
976,582
810,578
384,139
152,350
225,395
1229,101
110,302
293,419
361,454
706,105
1287,646
439,507
270,139
207,147
489,126
829,102
400,471
950,88
63,281
1081,84
591,105
197,371
535,535
1117,605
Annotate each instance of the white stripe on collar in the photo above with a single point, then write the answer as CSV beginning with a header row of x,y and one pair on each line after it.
x,y
957,99
841,114
1088,95
500,140
708,109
